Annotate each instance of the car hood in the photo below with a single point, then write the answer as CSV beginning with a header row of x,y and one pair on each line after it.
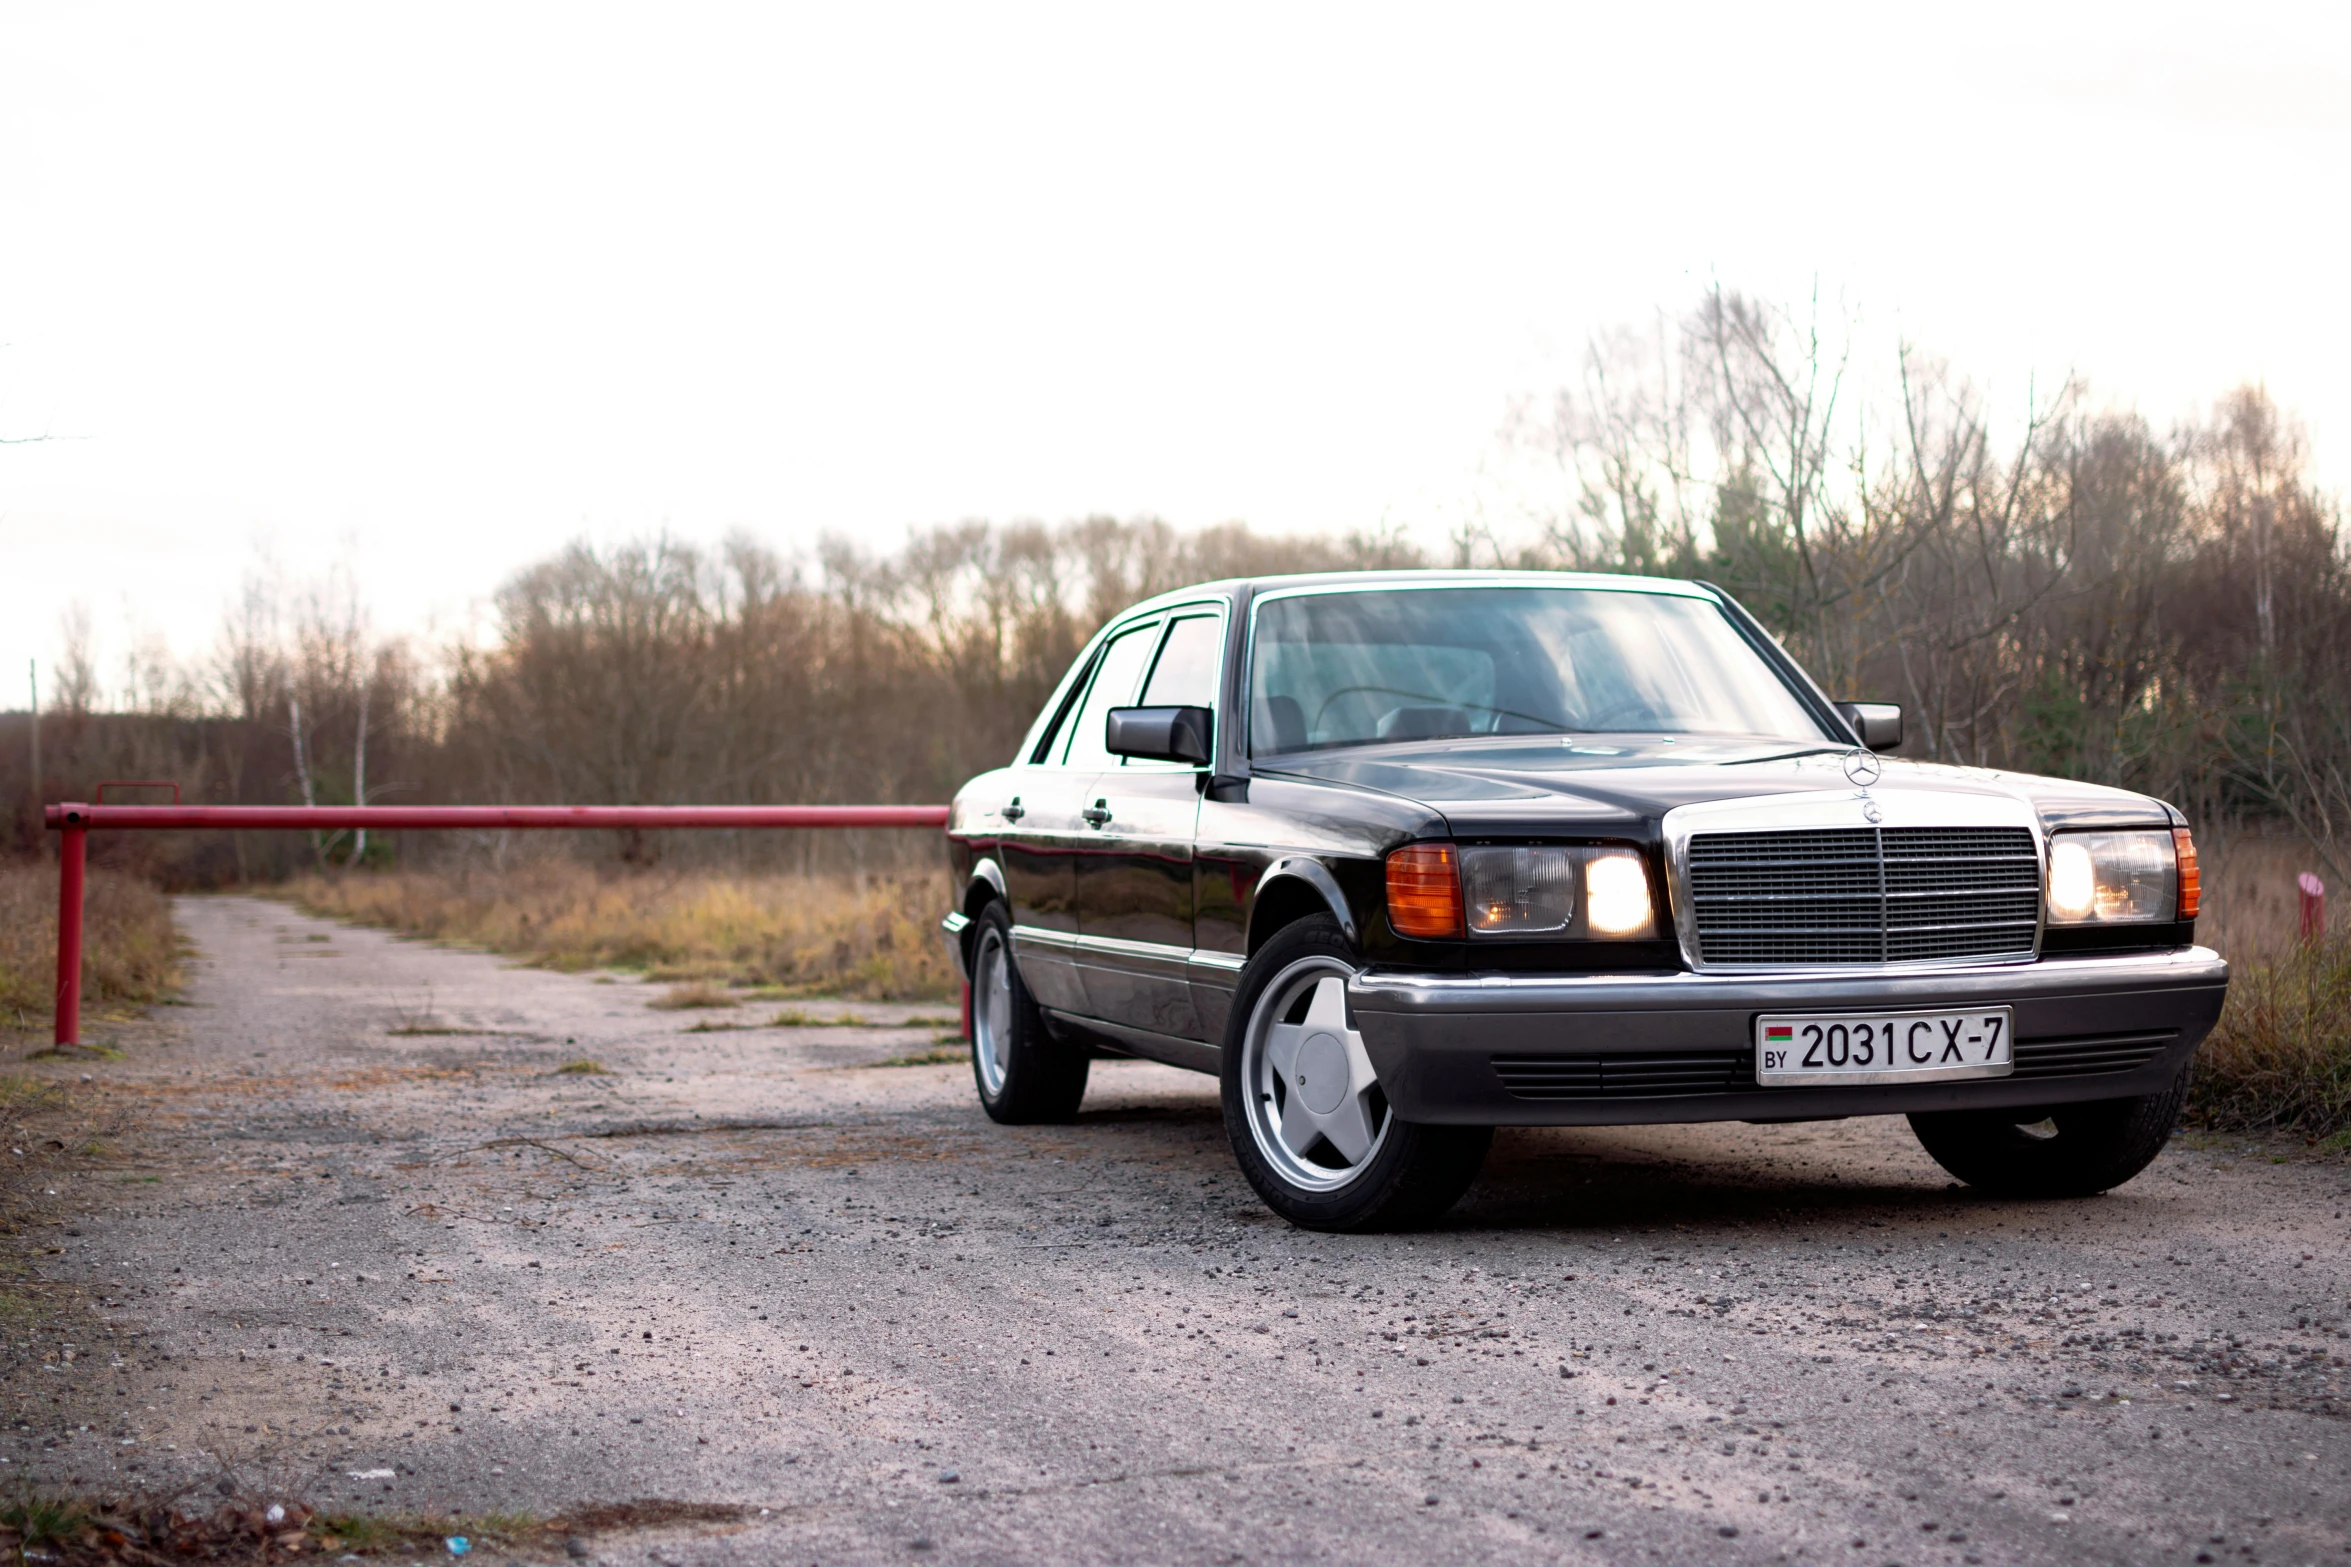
x,y
1595,783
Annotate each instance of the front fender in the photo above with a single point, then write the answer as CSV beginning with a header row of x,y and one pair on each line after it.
x,y
1310,873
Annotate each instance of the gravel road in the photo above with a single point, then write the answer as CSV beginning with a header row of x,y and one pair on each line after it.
x,y
359,1239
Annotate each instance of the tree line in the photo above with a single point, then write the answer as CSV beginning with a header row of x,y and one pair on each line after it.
x,y
2164,609
2061,587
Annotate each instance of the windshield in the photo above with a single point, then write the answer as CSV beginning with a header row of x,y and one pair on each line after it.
x,y
1385,666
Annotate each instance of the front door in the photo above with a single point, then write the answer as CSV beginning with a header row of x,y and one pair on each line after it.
x,y
1134,888
1054,831
1043,834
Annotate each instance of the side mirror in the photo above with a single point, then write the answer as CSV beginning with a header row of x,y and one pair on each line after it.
x,y
1160,734
1879,724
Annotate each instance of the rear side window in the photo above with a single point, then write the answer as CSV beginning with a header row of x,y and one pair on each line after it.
x,y
1116,675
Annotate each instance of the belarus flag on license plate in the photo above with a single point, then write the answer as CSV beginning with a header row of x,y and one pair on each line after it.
x,y
1779,1033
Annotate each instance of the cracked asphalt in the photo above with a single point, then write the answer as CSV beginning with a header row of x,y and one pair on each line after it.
x,y
355,1236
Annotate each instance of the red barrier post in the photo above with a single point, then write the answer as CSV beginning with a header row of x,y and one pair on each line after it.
x,y
72,857
2314,906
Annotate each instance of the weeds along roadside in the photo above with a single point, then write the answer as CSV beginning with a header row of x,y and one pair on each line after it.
x,y
2280,1059
874,938
131,953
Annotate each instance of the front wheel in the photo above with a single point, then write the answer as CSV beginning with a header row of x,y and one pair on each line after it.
x,y
2075,1150
1022,1072
1308,1123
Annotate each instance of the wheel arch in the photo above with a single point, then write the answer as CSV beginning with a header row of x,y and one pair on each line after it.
x,y
985,886
1296,889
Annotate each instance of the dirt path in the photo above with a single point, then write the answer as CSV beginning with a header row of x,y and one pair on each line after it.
x,y
344,1256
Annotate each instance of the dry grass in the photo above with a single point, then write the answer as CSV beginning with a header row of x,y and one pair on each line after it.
x,y
131,955
700,995
947,1051
2251,910
2281,1058
77,1528
804,935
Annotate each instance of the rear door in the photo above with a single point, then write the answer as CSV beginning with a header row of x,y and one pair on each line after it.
x,y
1134,888
1046,831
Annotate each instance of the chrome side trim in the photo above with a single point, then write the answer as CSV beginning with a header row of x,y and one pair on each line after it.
x,y
1826,809
1115,946
1072,945
1106,946
956,923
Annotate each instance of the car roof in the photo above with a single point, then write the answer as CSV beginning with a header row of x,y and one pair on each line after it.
x,y
1616,582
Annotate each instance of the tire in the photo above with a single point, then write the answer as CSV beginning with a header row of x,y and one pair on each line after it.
x,y
2095,1146
1354,1165
1023,1073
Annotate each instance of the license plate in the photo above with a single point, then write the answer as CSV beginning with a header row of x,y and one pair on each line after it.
x,y
1811,1048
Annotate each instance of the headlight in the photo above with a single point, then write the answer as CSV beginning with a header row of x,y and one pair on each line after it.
x,y
2113,878
1616,901
1578,893
1518,889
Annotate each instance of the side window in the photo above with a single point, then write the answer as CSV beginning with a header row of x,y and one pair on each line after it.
x,y
1055,738
1185,675
1116,674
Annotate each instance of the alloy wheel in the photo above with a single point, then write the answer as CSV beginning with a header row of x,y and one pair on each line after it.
x,y
1315,1109
991,1009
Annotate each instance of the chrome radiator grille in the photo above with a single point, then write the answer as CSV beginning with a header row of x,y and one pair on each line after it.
x,y
1864,895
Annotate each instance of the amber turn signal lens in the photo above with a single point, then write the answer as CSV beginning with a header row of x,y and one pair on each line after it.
x,y
1424,890
2191,880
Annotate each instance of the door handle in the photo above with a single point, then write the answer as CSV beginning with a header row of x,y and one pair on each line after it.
x,y
1014,811
1097,813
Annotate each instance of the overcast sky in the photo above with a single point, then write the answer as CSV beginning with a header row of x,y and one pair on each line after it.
x,y
432,290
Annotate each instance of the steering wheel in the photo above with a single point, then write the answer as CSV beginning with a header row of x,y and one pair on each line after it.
x,y
1435,701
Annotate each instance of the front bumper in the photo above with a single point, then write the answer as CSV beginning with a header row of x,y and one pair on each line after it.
x,y
1618,1049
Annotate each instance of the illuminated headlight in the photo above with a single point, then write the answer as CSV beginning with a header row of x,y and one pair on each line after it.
x,y
1526,890
2113,878
1616,896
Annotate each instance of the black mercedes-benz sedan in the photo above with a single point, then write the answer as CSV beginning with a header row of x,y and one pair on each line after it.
x,y
1406,856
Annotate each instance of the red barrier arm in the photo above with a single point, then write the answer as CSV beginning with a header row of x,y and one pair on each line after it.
x,y
390,818
73,822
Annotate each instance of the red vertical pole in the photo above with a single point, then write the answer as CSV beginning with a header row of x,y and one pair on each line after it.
x,y
71,845
2314,906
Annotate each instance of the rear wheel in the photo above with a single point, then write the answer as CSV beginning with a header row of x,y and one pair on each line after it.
x,y
1312,1131
2075,1150
1022,1072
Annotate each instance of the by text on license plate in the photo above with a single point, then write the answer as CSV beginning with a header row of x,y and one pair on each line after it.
x,y
1881,1047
